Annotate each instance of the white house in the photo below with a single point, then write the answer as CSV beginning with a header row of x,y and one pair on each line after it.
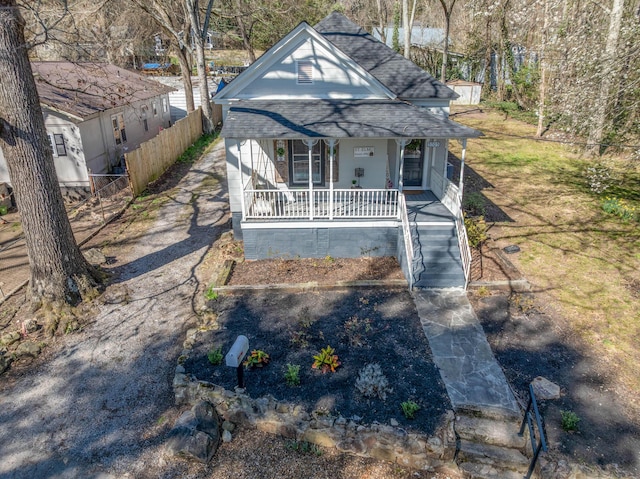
x,y
336,145
94,113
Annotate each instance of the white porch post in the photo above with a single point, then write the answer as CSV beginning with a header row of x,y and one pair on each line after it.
x,y
403,142
242,199
463,142
310,143
332,142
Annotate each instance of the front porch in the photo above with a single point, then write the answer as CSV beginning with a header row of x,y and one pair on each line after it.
x,y
315,204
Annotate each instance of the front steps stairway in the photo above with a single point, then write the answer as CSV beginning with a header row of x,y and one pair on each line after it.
x,y
436,253
490,447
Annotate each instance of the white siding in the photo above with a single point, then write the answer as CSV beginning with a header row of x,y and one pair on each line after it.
x,y
332,78
375,166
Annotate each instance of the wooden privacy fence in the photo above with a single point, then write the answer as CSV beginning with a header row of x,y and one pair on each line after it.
x,y
146,163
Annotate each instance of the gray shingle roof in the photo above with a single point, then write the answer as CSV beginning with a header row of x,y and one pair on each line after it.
x,y
400,75
337,119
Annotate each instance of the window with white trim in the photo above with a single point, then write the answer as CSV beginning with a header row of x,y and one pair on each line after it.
x,y
119,133
58,146
154,105
299,164
305,72
165,105
144,118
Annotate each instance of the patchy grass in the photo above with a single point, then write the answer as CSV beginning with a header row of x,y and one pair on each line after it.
x,y
585,260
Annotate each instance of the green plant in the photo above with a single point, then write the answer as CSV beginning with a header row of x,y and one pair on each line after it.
x,y
280,151
569,420
476,230
292,375
355,330
354,182
409,409
326,361
619,207
215,356
474,204
303,447
483,292
522,302
372,382
211,294
256,359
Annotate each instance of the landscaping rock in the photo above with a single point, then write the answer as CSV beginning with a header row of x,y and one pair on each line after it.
x,y
28,348
511,249
30,325
95,257
545,389
9,338
196,433
226,436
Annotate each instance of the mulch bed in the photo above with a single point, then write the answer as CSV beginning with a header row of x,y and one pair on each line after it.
x,y
292,327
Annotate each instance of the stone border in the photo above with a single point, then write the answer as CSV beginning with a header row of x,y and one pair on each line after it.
x,y
313,286
387,442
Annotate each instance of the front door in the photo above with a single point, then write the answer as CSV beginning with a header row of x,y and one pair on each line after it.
x,y
413,164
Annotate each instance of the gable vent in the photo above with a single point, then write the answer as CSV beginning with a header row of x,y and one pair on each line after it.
x,y
305,72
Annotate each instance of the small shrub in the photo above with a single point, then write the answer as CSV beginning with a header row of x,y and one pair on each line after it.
x,y
483,292
476,230
215,356
409,409
326,361
355,330
372,382
474,204
303,447
210,294
256,359
292,375
569,421
522,302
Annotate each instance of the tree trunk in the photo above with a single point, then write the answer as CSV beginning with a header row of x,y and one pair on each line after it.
x,y
407,28
448,10
185,71
543,71
59,272
244,32
608,67
199,36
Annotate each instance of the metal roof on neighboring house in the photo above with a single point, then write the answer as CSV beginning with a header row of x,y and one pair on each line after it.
x,y
402,76
84,89
337,119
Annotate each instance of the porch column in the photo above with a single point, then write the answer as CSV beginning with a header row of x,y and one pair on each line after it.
x,y
310,143
403,142
242,199
463,142
332,142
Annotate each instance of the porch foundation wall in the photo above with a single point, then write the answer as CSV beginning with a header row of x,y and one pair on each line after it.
x,y
344,242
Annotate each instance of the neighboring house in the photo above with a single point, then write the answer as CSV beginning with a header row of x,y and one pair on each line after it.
x,y
325,135
94,113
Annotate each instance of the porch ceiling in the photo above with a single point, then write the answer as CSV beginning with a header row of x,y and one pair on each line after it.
x,y
337,119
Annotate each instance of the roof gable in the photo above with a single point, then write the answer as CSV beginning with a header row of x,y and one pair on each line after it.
x,y
275,74
83,89
401,76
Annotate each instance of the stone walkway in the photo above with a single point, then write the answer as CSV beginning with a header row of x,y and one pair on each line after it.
x,y
473,378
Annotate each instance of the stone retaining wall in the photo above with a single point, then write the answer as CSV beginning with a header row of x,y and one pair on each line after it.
x,y
387,442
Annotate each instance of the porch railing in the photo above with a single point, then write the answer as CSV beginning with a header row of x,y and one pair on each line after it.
x,y
408,244
463,242
321,204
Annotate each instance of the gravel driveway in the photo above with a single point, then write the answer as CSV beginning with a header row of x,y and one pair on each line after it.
x,y
99,406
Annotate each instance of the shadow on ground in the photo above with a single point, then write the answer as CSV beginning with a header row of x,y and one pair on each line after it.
x,y
528,345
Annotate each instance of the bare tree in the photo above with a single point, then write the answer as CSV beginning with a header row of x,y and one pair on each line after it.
x,y
447,9
170,16
59,272
200,25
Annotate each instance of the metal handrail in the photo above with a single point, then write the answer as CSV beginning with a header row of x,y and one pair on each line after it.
x,y
541,445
